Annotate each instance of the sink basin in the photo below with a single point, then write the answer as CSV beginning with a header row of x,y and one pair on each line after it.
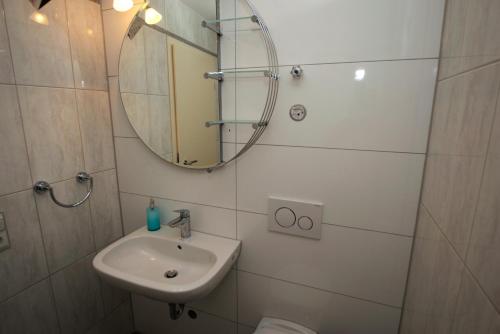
x,y
161,266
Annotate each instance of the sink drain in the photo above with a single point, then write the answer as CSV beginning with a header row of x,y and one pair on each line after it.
x,y
171,274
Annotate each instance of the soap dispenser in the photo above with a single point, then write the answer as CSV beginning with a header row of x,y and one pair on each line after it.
x,y
153,216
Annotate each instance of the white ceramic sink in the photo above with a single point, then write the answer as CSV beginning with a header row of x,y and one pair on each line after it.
x,y
139,263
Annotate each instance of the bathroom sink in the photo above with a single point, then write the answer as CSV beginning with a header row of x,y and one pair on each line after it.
x,y
161,266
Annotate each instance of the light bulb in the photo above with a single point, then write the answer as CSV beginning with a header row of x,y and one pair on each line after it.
x,y
39,18
123,5
359,75
152,16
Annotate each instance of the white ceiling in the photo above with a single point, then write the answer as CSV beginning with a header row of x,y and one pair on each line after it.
x,y
205,8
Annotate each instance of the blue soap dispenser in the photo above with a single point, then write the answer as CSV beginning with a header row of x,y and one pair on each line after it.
x,y
153,216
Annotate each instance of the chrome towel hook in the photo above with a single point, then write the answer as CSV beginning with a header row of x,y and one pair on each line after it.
x,y
42,187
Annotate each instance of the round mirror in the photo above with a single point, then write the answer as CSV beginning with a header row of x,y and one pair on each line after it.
x,y
178,80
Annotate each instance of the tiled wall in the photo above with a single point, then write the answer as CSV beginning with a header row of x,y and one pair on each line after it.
x,y
54,122
360,151
454,285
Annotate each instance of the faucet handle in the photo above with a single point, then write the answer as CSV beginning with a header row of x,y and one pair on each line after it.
x,y
184,213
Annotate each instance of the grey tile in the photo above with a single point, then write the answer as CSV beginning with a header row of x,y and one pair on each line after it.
x,y
87,44
95,124
105,209
112,296
41,53
67,232
14,167
118,322
30,312
474,313
6,70
450,193
121,124
156,62
24,263
78,297
52,132
434,281
484,249
159,132
463,113
133,65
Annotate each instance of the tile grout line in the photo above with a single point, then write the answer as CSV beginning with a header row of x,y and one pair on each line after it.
x,y
466,72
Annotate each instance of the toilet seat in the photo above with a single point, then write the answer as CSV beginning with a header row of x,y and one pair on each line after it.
x,y
278,326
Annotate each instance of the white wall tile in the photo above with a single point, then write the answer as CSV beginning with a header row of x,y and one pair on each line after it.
x,y
362,264
121,124
142,172
152,317
324,312
371,190
322,31
389,110
206,219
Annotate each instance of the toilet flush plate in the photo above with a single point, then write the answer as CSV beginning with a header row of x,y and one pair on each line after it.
x,y
300,218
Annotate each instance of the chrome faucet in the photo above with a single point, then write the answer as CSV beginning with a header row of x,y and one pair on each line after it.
x,y
183,221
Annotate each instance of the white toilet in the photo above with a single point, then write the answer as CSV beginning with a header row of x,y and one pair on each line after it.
x,y
277,326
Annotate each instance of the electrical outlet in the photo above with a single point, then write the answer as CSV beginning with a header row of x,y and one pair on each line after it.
x,y
4,236
299,218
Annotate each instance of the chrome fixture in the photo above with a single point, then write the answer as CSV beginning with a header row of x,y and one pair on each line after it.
x,y
255,124
42,187
183,221
220,75
297,72
214,75
213,24
298,112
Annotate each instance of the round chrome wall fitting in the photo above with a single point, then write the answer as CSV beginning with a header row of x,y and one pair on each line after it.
x,y
298,112
297,72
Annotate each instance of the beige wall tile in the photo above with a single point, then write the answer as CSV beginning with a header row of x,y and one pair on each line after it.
x,y
434,281
52,132
451,187
67,232
78,297
121,124
24,263
463,113
32,311
14,167
105,209
484,250
6,70
155,44
41,54
87,44
95,124
474,313
132,73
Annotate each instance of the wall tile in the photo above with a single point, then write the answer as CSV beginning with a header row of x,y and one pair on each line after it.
x,y
115,27
348,183
385,111
143,172
132,67
24,263
463,113
6,70
206,219
366,265
474,313
14,171
112,296
52,132
375,33
87,44
150,318
30,312
434,281
321,311
78,297
451,187
118,322
121,124
155,48
470,35
67,232
95,125
41,53
105,209
484,249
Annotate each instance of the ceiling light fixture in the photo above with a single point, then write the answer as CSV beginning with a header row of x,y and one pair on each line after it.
x,y
151,16
123,5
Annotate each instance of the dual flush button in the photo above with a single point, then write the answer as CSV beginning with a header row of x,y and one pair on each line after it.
x,y
296,217
286,218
